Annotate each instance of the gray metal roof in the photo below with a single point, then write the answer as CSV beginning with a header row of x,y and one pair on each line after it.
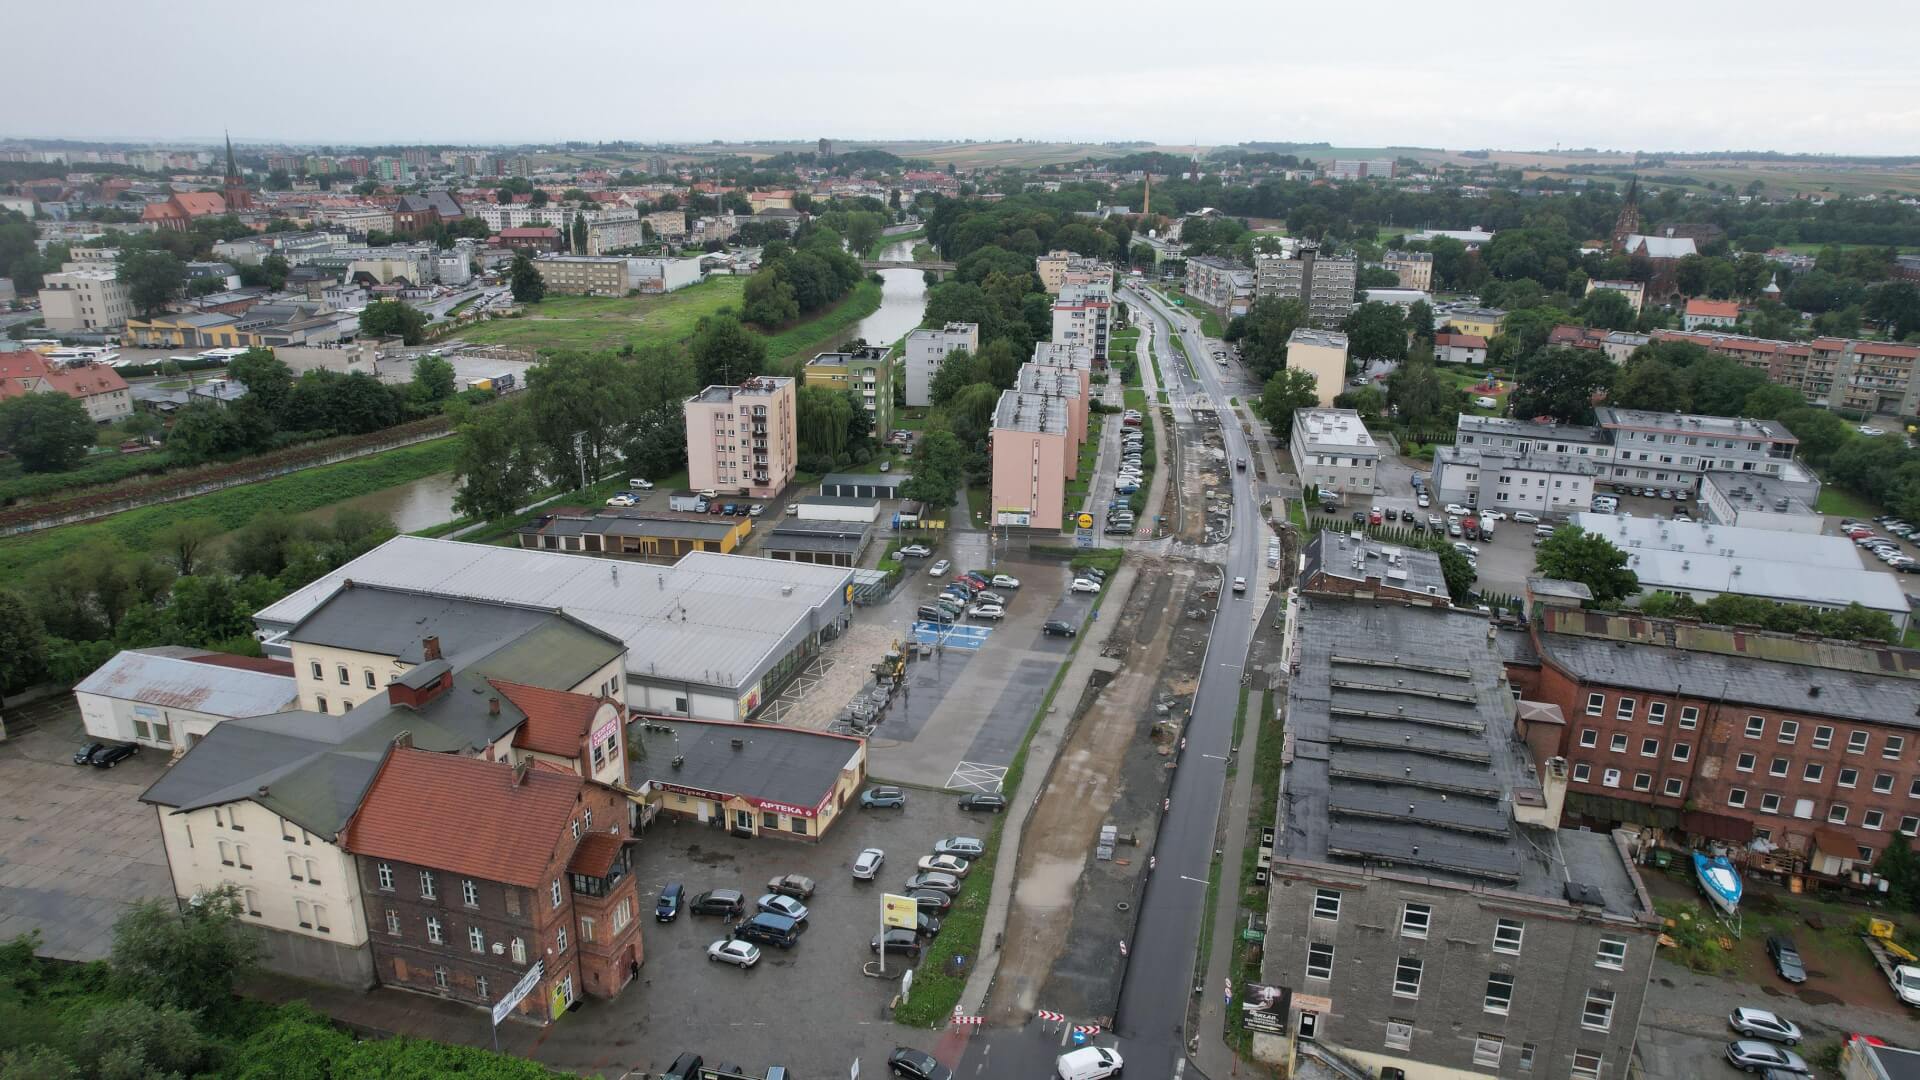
x,y
795,766
1039,413
892,480
709,619
1355,558
176,683
1331,339
395,622
1404,757
838,500
1506,427
1730,427
302,766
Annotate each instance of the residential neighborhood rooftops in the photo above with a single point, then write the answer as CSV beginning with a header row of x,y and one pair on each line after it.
x,y
755,386
298,765
787,765
1356,558
1508,427
1713,309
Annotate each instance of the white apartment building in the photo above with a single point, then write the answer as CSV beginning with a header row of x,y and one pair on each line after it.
x,y
1542,482
1678,448
926,350
1332,451
84,301
1082,316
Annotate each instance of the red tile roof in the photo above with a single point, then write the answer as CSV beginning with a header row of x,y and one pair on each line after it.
x,y
532,233
594,856
1464,341
466,816
261,664
556,720
25,372
1714,309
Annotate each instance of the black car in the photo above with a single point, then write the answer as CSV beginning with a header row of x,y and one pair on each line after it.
x,y
1058,628
898,939
1359,517
1329,508
916,1065
983,800
719,902
84,755
927,926
931,900
684,1067
112,754
667,907
933,614
1786,958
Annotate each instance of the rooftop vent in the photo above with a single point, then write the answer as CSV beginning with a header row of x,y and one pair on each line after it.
x,y
737,744
679,760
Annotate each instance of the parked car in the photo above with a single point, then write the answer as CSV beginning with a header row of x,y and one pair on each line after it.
x,y
112,754
768,928
897,939
666,907
1057,628
643,485
740,954
1422,499
966,847
930,900
1239,584
1374,516
945,883
984,800
1762,1024
933,613
939,569
1752,1055
623,499
684,1067
913,1064
719,902
1457,510
987,611
988,596
1786,958
1088,1063
1493,515
883,798
1005,581
782,905
867,863
915,551
84,755
944,864
798,886
1085,585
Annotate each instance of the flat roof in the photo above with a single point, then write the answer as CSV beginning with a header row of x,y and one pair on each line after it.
x,y
1042,414
1502,457
1353,557
1042,379
1330,428
757,386
1508,427
1771,563
886,480
709,619
1403,758
176,682
795,767
1755,491
838,500
1331,339
1732,427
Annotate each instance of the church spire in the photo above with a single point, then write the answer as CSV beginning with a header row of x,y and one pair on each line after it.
x,y
1628,223
233,169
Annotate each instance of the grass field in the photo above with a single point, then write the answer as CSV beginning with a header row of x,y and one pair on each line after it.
x,y
593,322
1845,503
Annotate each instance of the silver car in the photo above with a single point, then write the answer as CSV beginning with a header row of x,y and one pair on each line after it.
x,y
1762,1024
1752,1055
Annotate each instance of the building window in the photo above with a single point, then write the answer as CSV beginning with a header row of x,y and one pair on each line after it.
x,y
240,856
1526,1057
1778,767
1319,961
1756,726
480,987
1587,1065
1822,737
1675,786
586,928
1689,716
1624,709
1682,751
368,672
293,868
1596,704
319,673
433,930
1618,744
1406,977
320,918
1737,797
476,939
1883,783
1813,773
1744,763
440,976
1769,804
560,940
622,915
1872,820
1507,934
1849,778
1598,1013
226,853
385,874
303,914
393,922
518,949
1414,920
1643,781
426,885
1837,814
1487,1050
1857,742
1399,1034
320,703
1582,772
1895,744
1326,905
1910,826
1499,993
252,901
1789,731
1649,747
345,679
1589,737
554,892
1612,954
1656,712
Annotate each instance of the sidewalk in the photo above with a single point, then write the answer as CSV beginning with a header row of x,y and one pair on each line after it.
x,y
1039,767
1213,1056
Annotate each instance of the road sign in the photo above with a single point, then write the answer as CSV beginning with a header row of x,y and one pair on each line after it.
x,y
901,911
1079,1037
1083,538
504,1007
1085,521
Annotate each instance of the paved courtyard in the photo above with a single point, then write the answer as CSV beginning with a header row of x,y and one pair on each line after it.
x,y
76,847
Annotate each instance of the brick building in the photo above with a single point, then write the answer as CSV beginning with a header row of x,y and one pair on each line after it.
x,y
471,871
531,238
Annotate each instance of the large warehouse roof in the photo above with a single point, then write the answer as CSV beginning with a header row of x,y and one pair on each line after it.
x,y
709,619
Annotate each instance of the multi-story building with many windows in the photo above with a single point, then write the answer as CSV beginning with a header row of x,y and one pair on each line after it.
x,y
741,439
1325,286
1428,912
1082,315
865,372
927,349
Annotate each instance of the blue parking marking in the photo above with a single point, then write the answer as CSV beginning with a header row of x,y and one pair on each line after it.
x,y
958,636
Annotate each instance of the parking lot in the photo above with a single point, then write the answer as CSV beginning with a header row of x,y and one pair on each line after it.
x,y
777,1012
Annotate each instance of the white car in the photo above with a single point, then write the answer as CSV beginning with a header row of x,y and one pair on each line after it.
x,y
1456,510
1081,584
1239,584
1492,515
741,954
1526,517
939,569
915,551
867,863
1004,581
1422,500
643,485
1870,431
988,596
623,499
944,864
987,611
756,510
1088,1063
1466,549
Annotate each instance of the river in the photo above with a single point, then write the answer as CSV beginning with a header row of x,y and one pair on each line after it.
x,y
428,501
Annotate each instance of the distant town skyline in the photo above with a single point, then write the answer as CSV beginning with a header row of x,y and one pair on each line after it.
x,y
1759,75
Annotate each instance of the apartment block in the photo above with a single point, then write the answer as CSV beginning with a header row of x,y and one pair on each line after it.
x,y
1414,267
1062,384
1052,268
1679,447
866,372
583,275
1211,280
668,224
1332,451
1034,456
741,439
1361,169
1066,358
926,350
1322,354
1634,291
1522,479
605,236
1324,286
84,301
1082,315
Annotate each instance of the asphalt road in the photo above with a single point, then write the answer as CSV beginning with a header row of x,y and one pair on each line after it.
x,y
1154,998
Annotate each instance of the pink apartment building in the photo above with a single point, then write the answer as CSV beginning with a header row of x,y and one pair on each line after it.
x,y
1034,454
740,439
1043,381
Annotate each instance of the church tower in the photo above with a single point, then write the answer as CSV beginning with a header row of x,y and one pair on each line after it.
x,y
235,188
1628,223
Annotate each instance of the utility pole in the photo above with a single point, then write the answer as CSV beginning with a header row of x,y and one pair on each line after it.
x,y
580,454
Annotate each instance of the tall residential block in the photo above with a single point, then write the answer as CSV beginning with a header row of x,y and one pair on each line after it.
x,y
928,349
863,370
1324,286
741,439
1322,354
84,300
1033,456
1082,315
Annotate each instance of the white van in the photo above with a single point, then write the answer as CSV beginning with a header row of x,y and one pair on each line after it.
x,y
1088,1063
1486,402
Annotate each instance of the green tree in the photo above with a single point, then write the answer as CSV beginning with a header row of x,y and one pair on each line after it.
x,y
1718,385
135,1041
153,279
1263,332
268,380
1561,383
394,318
1573,554
1901,870
204,431
23,644
1287,390
496,466
581,408
959,370
184,544
970,412
1456,571
769,300
1651,383
525,280
433,383
1821,433
1770,402
1421,395
1608,309
37,1063
184,957
263,545
725,352
1896,306
205,284
939,470
1420,322
48,432
1376,331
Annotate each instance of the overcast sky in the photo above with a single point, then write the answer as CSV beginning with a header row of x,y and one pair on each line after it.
x,y
1834,76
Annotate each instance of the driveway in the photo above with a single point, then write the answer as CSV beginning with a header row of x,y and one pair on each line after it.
x,y
78,847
